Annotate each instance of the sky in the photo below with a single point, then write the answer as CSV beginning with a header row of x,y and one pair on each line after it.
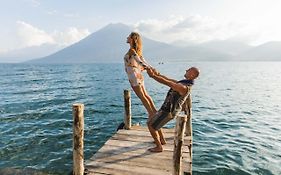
x,y
35,23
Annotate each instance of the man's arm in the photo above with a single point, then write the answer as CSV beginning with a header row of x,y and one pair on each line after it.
x,y
167,81
156,73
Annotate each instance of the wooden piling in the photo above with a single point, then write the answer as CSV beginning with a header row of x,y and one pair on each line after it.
x,y
127,104
78,139
178,144
188,131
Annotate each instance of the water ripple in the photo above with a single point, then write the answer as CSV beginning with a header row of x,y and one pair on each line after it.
x,y
235,126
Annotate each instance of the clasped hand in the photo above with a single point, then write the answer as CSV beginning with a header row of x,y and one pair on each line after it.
x,y
152,72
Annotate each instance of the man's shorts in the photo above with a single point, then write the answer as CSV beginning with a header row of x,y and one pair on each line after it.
x,y
160,119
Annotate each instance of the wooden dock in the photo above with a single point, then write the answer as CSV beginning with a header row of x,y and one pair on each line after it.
x,y
125,153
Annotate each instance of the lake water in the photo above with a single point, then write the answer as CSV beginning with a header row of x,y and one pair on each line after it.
x,y
236,114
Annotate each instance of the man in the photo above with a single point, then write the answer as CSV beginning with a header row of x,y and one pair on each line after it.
x,y
173,104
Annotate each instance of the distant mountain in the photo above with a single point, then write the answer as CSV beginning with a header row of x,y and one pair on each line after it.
x,y
105,45
226,46
109,45
29,53
270,51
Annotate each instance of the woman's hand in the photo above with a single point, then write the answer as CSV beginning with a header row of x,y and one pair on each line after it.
x,y
152,72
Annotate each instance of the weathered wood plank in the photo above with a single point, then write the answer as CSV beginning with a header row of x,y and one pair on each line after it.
x,y
128,167
132,145
121,152
126,153
141,128
125,168
145,133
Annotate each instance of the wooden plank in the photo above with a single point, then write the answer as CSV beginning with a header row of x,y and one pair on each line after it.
x,y
145,133
139,142
110,171
129,167
126,153
125,168
121,152
145,138
141,128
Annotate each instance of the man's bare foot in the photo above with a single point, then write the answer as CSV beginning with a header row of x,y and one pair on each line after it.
x,y
156,149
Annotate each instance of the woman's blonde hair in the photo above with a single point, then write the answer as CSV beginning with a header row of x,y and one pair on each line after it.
x,y
137,43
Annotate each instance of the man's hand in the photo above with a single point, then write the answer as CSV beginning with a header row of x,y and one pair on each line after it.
x,y
152,72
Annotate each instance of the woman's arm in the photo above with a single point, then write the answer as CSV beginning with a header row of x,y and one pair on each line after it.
x,y
145,62
141,61
167,81
157,73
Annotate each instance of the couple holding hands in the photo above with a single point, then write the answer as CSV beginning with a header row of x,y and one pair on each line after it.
x,y
176,96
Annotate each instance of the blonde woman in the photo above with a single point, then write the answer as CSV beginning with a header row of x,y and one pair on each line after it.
x,y
134,65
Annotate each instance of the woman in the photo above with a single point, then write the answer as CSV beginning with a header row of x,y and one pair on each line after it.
x,y
134,65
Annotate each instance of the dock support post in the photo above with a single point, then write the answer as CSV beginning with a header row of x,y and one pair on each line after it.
x,y
78,139
127,103
178,144
188,131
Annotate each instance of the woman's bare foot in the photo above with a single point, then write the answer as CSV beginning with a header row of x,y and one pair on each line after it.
x,y
163,142
156,149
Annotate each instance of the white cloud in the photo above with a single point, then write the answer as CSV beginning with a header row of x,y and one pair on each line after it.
x,y
29,35
71,15
34,3
70,36
195,29
52,12
2,50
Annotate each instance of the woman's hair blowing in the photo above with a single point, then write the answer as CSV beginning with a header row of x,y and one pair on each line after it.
x,y
137,43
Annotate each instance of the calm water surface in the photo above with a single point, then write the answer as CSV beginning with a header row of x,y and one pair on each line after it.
x,y
236,114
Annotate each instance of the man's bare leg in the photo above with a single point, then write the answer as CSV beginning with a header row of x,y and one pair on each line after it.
x,y
155,136
159,132
161,136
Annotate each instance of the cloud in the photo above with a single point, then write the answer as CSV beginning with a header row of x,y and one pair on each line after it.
x,y
70,36
2,50
71,15
65,15
34,3
195,29
52,12
29,35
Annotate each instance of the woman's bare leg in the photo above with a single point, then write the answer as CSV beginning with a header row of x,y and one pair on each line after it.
x,y
139,92
153,108
162,138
